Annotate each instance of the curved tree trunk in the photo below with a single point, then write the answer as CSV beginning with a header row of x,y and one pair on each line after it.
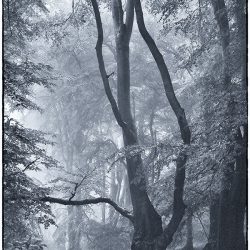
x,y
148,232
147,224
178,207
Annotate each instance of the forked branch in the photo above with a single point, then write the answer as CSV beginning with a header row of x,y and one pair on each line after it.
x,y
120,210
67,202
178,204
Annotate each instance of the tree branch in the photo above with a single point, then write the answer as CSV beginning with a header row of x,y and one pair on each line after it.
x,y
84,202
77,185
178,205
120,210
111,74
31,163
169,90
220,13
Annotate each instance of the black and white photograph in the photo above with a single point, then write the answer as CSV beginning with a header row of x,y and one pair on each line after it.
x,y
124,125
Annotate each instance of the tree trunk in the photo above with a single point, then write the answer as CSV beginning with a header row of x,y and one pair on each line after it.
x,y
189,227
232,210
148,232
241,33
213,228
113,191
238,197
127,198
119,182
103,195
178,204
232,197
153,154
73,229
224,224
239,182
147,225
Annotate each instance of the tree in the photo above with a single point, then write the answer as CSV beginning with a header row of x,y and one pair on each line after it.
x,y
147,222
204,46
23,147
232,209
231,80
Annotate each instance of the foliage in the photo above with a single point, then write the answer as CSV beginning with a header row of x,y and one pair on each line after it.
x,y
22,213
23,147
107,237
88,141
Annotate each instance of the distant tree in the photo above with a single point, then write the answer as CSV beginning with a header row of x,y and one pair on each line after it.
x,y
23,147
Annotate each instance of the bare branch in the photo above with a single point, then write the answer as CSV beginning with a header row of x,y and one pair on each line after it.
x,y
31,163
120,210
178,205
84,202
111,74
77,185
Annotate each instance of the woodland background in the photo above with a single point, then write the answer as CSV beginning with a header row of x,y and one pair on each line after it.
x,y
139,143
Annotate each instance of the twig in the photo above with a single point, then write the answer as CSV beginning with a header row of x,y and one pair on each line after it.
x,y
110,74
26,167
203,228
77,185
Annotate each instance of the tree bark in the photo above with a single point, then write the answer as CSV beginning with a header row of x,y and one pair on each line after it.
x,y
166,79
238,196
147,224
189,227
233,193
240,15
104,194
213,228
113,192
224,224
74,215
148,232
239,182
179,207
